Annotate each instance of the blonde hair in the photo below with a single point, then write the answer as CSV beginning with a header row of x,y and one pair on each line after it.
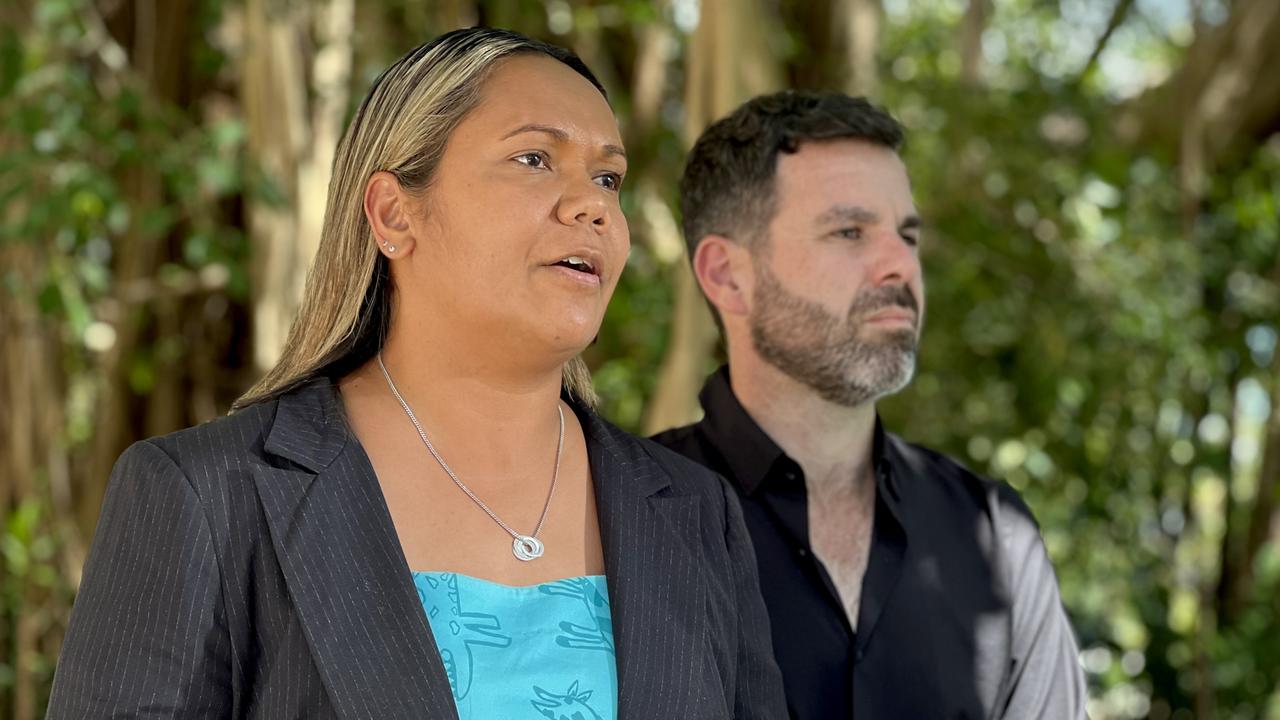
x,y
402,127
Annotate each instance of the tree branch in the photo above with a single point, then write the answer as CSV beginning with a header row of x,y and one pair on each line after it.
x,y
1118,15
975,22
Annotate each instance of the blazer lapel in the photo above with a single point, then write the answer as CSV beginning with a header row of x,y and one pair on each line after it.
x,y
342,562
651,555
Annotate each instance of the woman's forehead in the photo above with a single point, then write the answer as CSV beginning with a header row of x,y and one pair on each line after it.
x,y
531,90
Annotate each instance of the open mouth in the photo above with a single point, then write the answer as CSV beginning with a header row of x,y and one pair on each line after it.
x,y
577,264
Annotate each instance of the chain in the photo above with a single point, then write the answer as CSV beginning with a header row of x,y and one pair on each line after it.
x,y
555,475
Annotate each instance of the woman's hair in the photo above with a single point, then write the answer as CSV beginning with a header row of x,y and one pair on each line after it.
x,y
402,127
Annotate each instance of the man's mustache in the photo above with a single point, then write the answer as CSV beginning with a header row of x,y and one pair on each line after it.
x,y
881,298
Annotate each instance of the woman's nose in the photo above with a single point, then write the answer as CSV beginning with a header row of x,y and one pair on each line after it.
x,y
584,203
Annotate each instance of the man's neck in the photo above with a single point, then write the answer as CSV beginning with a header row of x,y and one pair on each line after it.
x,y
831,442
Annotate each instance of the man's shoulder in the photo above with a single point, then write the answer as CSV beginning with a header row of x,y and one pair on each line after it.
x,y
678,464
694,445
683,440
931,472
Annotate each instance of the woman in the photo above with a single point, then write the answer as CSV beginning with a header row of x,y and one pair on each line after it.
x,y
417,514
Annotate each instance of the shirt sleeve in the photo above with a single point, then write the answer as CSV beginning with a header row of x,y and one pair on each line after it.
x,y
147,636
1045,679
759,691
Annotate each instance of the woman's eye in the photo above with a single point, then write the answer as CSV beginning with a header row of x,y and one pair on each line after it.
x,y
610,181
533,160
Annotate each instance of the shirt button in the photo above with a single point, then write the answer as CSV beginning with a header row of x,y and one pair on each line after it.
x,y
857,656
802,552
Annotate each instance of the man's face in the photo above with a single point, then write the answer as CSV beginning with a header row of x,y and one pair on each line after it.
x,y
838,296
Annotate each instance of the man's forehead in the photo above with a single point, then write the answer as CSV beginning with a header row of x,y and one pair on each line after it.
x,y
852,181
840,156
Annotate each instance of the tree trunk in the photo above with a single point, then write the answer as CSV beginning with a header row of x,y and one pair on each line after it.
x,y
294,141
160,32
720,75
858,24
650,76
33,425
273,93
1264,518
331,87
1228,75
975,22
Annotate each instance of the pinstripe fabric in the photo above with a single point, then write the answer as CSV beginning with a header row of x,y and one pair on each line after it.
x,y
249,568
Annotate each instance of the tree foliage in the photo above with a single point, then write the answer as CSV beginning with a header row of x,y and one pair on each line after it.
x,y
1102,263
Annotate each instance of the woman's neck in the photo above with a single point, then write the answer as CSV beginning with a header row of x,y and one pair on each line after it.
x,y
489,415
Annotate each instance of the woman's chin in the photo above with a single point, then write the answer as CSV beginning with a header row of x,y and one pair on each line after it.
x,y
569,336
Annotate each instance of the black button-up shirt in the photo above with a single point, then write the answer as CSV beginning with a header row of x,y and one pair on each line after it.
x,y
960,615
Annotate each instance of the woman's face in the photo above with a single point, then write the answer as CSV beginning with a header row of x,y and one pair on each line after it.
x,y
520,239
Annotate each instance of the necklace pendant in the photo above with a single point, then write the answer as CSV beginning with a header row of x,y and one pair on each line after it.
x,y
526,548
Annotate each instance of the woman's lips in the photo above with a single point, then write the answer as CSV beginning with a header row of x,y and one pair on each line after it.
x,y
577,276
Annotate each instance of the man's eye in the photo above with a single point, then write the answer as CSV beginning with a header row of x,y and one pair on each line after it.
x,y
533,160
852,233
911,240
610,181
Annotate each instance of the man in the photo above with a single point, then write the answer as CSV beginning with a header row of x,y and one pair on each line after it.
x,y
898,583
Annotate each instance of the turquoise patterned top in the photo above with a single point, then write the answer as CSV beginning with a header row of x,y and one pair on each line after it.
x,y
534,651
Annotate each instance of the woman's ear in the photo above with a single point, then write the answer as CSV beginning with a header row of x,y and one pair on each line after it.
x,y
384,207
722,269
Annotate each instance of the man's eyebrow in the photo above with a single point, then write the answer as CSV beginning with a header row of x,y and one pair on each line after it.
x,y
858,214
847,213
560,135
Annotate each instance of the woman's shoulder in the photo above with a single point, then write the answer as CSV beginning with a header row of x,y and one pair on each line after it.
x,y
230,437
294,426
686,477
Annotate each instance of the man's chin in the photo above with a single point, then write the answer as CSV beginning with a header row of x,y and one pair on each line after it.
x,y
880,333
891,371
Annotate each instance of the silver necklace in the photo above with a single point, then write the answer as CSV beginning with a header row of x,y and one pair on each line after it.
x,y
524,547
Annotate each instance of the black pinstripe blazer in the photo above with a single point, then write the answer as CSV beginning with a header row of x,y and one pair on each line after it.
x,y
249,568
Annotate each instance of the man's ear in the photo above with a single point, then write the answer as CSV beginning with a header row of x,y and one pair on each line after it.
x,y
723,269
384,207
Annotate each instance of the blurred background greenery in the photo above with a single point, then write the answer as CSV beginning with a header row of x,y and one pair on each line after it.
x,y
1099,177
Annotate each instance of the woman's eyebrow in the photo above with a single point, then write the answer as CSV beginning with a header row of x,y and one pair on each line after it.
x,y
560,135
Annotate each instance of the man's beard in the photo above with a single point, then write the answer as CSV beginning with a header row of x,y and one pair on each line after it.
x,y
830,354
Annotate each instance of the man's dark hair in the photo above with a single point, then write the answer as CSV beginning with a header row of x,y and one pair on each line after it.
x,y
728,183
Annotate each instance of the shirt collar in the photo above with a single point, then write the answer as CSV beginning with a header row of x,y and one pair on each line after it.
x,y
747,449
752,456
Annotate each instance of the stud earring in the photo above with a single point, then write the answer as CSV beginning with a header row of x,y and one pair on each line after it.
x,y
391,248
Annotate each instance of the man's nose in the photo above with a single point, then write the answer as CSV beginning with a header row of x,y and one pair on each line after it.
x,y
896,261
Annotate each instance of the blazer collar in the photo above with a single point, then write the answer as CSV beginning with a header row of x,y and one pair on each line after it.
x,y
653,566
353,589
347,576
309,428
